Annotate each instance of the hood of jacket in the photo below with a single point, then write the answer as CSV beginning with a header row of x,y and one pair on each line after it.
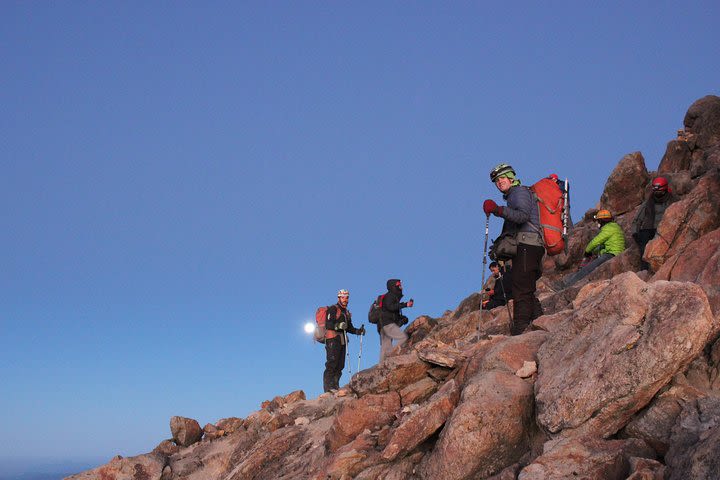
x,y
393,288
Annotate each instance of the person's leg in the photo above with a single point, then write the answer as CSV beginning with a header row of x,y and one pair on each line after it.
x,y
385,344
340,366
332,353
642,238
393,332
587,269
526,270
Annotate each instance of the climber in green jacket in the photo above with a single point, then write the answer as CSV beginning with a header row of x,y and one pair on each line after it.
x,y
606,244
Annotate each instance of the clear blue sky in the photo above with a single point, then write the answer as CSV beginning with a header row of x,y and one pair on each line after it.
x,y
183,183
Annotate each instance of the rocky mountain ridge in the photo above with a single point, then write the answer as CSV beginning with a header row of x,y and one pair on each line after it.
x,y
620,379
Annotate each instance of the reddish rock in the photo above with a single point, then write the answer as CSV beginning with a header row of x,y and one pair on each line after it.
x,y
166,448
550,323
511,354
418,391
422,423
586,457
438,353
266,452
486,432
624,188
646,469
350,460
185,431
685,221
143,467
579,237
420,328
699,263
615,351
230,425
368,412
703,121
394,373
677,157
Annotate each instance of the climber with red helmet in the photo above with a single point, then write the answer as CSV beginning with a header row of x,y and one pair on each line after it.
x,y
606,244
338,324
648,217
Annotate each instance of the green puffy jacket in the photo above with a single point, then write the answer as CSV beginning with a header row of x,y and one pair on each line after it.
x,y
611,239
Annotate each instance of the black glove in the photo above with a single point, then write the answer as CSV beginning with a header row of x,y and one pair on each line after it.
x,y
403,320
361,330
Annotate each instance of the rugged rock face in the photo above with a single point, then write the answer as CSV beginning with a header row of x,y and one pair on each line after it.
x,y
619,380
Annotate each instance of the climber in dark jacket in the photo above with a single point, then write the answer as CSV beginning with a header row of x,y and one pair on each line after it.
x,y
647,219
391,317
338,324
522,220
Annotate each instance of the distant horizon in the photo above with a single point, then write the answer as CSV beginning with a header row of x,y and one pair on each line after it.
x,y
19,467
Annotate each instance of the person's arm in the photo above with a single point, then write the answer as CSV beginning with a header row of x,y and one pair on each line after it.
x,y
598,241
519,206
392,304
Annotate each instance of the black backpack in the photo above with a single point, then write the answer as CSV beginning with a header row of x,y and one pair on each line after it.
x,y
375,313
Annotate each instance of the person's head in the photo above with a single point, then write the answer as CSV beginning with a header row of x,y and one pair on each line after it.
x,y
494,268
503,176
603,217
394,285
343,297
660,187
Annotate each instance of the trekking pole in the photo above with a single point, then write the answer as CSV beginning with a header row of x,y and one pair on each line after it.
x,y
360,352
347,353
487,233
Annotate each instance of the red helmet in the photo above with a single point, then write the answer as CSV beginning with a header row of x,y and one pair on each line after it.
x,y
660,184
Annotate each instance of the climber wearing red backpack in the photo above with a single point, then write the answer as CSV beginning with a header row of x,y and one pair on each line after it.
x,y
521,231
338,324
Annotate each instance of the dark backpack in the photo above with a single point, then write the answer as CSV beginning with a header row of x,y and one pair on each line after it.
x,y
375,313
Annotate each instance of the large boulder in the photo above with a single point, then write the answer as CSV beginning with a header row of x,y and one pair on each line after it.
x,y
394,373
699,262
586,457
368,412
423,422
185,431
615,350
702,120
685,221
678,156
486,432
624,188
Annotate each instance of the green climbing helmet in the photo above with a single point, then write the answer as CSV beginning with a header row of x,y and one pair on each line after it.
x,y
502,170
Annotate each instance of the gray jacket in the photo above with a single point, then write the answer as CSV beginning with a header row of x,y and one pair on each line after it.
x,y
522,216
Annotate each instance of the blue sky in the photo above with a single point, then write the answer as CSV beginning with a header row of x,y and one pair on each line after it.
x,y
185,183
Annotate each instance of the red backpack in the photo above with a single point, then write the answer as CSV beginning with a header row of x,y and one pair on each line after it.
x,y
553,205
321,333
